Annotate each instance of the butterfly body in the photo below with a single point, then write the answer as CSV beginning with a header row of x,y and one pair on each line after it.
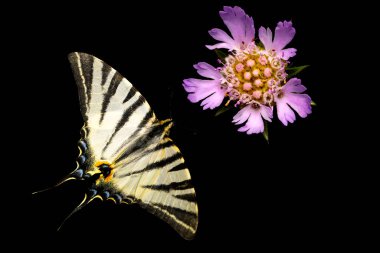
x,y
126,152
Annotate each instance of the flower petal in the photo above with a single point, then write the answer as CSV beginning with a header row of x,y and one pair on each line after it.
x,y
265,36
192,84
293,85
301,103
267,113
209,90
284,33
240,25
253,118
284,113
220,45
206,70
242,115
287,53
200,89
200,94
222,36
214,100
254,125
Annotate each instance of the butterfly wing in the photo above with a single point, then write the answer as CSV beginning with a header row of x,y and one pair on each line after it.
x,y
113,110
121,128
160,182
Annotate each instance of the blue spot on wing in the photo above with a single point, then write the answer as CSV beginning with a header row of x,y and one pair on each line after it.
x,y
106,194
92,193
78,173
81,159
82,145
118,198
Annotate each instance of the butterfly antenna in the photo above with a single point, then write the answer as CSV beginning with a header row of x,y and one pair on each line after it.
x,y
56,185
80,206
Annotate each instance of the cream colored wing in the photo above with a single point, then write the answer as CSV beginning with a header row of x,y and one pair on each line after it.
x,y
160,182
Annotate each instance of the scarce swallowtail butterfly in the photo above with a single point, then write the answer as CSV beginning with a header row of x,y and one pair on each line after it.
x,y
125,150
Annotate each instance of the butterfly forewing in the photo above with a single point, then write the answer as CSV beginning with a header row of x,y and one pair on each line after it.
x,y
122,130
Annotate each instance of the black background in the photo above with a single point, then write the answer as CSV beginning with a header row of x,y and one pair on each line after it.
x,y
249,192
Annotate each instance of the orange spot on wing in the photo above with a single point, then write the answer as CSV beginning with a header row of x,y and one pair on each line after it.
x,y
110,176
100,162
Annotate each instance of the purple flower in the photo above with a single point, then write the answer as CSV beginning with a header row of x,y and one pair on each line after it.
x,y
209,90
284,33
289,96
252,78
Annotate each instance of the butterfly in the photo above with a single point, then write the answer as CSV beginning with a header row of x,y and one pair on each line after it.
x,y
125,151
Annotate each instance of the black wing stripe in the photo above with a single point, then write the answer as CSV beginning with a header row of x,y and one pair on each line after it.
x,y
178,167
143,141
106,69
188,197
116,80
186,184
128,113
165,212
125,117
160,146
156,165
130,94
179,213
148,116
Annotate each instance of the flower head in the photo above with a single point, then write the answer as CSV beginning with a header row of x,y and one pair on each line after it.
x,y
253,77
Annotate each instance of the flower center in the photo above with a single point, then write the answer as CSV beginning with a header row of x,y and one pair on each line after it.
x,y
253,75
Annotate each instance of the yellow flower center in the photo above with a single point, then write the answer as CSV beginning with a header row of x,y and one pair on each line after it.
x,y
252,76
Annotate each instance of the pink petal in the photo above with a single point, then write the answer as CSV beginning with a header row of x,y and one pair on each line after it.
x,y
288,53
254,125
242,115
284,113
222,36
214,100
266,113
200,89
253,118
240,25
220,45
293,85
265,36
284,33
301,103
209,90
192,84
206,70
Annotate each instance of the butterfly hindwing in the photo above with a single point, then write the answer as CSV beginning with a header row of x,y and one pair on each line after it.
x,y
160,181
122,131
